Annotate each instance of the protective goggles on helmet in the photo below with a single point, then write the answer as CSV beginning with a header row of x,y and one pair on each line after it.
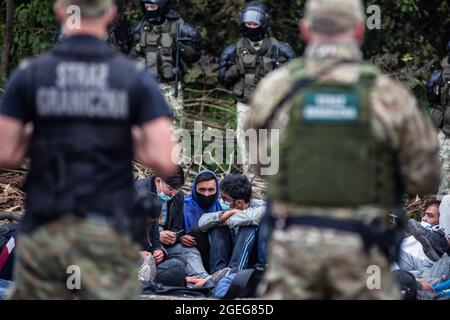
x,y
256,16
157,2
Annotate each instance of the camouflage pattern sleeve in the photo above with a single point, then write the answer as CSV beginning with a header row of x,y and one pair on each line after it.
x,y
268,93
398,119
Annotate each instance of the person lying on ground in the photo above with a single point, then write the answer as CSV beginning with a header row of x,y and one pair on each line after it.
x,y
431,273
171,224
425,252
232,232
425,240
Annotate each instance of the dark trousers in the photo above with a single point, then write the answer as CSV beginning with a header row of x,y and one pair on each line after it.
x,y
229,251
170,273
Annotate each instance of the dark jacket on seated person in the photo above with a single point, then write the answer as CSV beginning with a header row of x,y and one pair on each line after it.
x,y
174,221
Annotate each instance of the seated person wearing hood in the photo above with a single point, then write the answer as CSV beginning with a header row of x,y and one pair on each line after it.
x,y
205,197
232,231
171,224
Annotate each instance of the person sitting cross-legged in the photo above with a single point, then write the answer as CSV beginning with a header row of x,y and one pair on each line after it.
x,y
205,197
171,224
232,231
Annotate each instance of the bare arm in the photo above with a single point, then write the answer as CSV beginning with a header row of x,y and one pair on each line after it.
x,y
154,146
14,140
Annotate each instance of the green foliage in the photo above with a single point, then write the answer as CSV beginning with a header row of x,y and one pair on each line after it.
x,y
35,29
410,43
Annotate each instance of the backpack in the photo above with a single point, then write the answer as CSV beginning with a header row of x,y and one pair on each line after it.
x,y
7,231
244,284
7,244
161,290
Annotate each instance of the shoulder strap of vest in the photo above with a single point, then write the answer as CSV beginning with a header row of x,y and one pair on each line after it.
x,y
240,48
173,25
298,85
446,73
275,49
445,86
368,75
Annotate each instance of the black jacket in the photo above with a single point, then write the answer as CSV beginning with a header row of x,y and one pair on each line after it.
x,y
150,240
190,49
229,73
174,221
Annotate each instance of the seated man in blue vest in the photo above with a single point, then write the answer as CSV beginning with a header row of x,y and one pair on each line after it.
x,y
171,224
232,231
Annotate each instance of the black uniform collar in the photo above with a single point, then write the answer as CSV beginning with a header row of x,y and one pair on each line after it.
x,y
83,45
157,21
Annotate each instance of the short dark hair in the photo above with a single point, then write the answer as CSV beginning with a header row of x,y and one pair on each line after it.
x,y
237,186
430,203
175,180
205,176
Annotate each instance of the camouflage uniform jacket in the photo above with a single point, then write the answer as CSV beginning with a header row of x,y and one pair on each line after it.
x,y
396,119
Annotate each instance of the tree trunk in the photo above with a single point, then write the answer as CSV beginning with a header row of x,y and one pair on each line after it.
x,y
7,39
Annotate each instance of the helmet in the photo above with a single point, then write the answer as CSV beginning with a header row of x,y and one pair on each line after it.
x,y
255,12
158,14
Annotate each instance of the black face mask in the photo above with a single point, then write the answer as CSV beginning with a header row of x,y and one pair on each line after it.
x,y
205,201
255,34
155,18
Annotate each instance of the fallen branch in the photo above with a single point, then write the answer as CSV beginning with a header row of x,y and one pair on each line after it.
x,y
5,215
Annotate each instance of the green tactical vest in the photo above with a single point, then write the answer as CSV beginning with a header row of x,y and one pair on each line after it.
x,y
254,67
329,156
157,44
445,99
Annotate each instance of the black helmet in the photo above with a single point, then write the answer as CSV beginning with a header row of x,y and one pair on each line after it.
x,y
160,13
254,12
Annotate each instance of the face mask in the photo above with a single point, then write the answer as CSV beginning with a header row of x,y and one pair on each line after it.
x,y
225,205
255,35
425,224
205,201
164,197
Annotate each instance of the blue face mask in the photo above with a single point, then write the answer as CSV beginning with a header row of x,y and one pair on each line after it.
x,y
425,224
164,197
225,205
